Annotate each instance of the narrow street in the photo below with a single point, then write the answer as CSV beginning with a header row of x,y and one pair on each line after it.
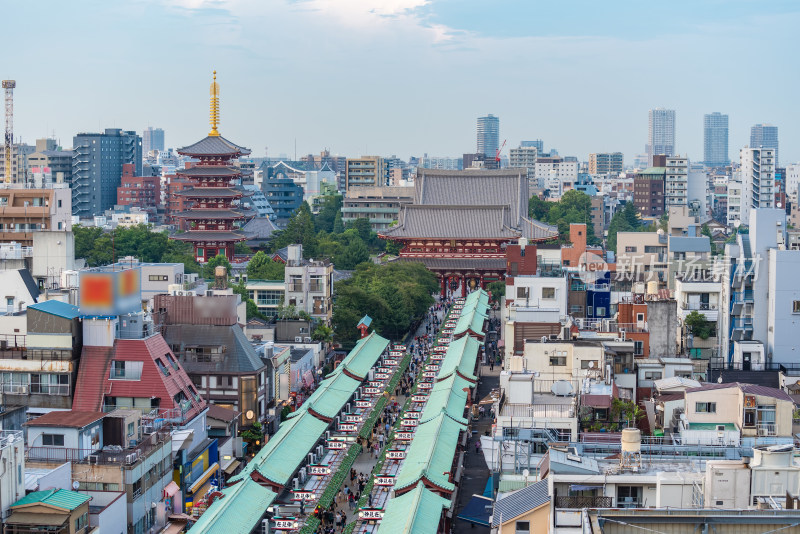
x,y
476,472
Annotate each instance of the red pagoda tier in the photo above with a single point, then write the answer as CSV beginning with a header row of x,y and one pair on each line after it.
x,y
212,221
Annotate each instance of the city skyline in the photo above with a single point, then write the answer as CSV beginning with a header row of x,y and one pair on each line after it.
x,y
433,46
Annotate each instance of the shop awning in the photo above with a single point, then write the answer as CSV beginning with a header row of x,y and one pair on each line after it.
x,y
171,489
232,467
477,510
208,473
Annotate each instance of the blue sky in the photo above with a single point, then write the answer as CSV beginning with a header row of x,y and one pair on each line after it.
x,y
405,77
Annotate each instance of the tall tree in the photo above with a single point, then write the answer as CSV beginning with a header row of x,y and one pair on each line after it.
x,y
213,263
338,224
330,209
351,255
262,267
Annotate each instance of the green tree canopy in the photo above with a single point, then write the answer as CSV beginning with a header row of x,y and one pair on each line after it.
x,y
330,209
262,267
698,325
573,207
625,219
211,265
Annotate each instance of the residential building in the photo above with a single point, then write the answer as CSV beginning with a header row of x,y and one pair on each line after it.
x,y
479,160
50,156
704,296
12,482
281,191
336,163
24,212
661,134
523,510
649,191
19,163
381,205
556,174
698,194
309,177
689,258
152,139
735,202
488,136
97,168
56,510
267,294
115,452
715,140
606,163
744,411
138,191
642,255
366,170
676,181
222,364
761,294
523,157
309,285
765,136
757,174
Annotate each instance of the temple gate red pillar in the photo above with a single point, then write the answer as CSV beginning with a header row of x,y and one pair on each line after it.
x,y
463,285
444,285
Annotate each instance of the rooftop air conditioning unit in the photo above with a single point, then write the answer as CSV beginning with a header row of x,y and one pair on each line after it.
x,y
302,475
306,340
622,334
295,484
179,293
298,339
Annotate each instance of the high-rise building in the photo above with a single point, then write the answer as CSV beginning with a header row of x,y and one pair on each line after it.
x,y
661,133
765,136
97,168
366,170
715,140
19,162
488,135
757,172
152,139
525,157
676,181
606,163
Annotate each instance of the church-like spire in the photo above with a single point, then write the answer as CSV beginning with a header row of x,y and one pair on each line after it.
x,y
214,106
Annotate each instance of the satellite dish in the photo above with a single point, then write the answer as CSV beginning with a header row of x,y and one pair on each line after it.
x,y
591,365
76,485
526,473
561,388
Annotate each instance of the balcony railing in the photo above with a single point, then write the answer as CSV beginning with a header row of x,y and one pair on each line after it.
x,y
295,287
580,502
698,306
538,410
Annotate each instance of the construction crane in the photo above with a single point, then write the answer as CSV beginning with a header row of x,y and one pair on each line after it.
x,y
8,86
497,154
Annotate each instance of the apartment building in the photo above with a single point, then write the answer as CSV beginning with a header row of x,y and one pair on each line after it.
x,y
381,205
366,170
309,284
26,211
606,163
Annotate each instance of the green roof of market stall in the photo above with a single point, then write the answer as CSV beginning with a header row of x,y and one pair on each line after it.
x,y
461,356
240,509
417,512
364,355
431,454
448,396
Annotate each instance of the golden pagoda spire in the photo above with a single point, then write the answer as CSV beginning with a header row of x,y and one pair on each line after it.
x,y
214,106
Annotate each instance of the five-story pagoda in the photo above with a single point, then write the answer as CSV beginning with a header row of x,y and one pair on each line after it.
x,y
210,223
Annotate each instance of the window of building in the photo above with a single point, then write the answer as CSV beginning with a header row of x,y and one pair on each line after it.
x,y
522,526
162,367
638,348
639,317
600,311
171,360
522,292
558,361
652,375
123,370
548,292
796,306
630,249
705,407
576,308
53,440
158,278
588,364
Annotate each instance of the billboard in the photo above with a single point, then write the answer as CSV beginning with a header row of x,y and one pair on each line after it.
x,y
107,292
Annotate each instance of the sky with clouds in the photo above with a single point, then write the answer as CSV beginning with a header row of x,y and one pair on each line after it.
x,y
405,77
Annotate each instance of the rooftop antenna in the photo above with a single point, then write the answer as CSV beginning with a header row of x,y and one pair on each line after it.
x,y
9,86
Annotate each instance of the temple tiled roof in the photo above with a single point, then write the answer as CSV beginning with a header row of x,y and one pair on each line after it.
x,y
214,146
200,213
209,192
453,222
202,236
208,171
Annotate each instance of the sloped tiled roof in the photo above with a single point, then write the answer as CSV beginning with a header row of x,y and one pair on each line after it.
x,y
239,357
202,236
213,145
447,396
57,308
208,170
417,512
58,498
209,192
199,213
453,222
461,357
240,509
459,263
258,228
520,502
431,454
70,419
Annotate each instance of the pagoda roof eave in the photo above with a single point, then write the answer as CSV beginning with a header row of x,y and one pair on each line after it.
x,y
213,145
201,236
210,192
